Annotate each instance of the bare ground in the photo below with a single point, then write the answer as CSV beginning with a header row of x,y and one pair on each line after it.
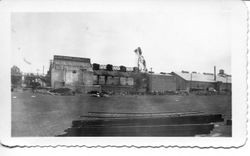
x,y
46,115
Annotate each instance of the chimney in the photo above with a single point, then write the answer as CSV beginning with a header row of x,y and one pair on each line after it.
x,y
214,73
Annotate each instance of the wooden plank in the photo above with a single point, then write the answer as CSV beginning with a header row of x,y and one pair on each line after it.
x,y
151,130
191,119
143,113
133,114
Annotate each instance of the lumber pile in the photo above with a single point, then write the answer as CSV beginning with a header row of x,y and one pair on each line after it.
x,y
143,124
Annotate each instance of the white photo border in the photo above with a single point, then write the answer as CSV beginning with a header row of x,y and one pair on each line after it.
x,y
239,77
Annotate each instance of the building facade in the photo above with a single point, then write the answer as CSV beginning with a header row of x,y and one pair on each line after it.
x,y
71,72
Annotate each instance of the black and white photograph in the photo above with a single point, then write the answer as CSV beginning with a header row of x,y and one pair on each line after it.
x,y
172,73
120,74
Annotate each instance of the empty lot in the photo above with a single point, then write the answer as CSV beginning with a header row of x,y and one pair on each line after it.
x,y
46,115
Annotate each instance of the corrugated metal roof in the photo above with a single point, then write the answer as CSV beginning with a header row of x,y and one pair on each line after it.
x,y
203,77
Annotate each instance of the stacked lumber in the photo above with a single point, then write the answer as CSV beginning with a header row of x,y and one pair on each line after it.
x,y
143,124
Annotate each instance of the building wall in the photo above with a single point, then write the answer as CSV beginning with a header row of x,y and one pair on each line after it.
x,y
130,81
123,81
72,77
181,84
95,79
110,80
113,80
57,78
116,80
87,77
70,73
225,87
201,85
101,80
161,83
119,81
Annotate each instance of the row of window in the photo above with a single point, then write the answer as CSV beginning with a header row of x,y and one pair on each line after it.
x,y
110,80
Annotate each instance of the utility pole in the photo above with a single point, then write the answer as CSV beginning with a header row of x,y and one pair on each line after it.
x,y
214,73
43,70
191,79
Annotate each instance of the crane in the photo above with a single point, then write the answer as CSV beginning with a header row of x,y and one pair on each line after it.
x,y
141,62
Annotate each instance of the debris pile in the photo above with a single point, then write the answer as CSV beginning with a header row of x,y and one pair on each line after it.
x,y
62,91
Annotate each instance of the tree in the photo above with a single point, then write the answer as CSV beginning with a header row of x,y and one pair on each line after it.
x,y
16,76
15,70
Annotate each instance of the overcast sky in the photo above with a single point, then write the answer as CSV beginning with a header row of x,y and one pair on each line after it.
x,y
171,41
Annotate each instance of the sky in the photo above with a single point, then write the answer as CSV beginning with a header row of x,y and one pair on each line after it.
x,y
170,41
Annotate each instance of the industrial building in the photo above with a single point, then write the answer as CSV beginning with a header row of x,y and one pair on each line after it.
x,y
119,79
71,72
80,75
201,81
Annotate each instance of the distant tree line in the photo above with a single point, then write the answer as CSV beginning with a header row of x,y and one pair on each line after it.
x,y
30,80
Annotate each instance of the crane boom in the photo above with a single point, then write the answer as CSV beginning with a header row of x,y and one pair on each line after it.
x,y
141,62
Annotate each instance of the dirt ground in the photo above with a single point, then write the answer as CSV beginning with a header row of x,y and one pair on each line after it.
x,y
47,115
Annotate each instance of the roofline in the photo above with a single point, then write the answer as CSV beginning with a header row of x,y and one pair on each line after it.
x,y
70,58
157,74
198,81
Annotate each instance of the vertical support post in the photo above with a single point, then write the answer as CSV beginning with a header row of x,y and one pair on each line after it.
x,y
191,79
214,73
